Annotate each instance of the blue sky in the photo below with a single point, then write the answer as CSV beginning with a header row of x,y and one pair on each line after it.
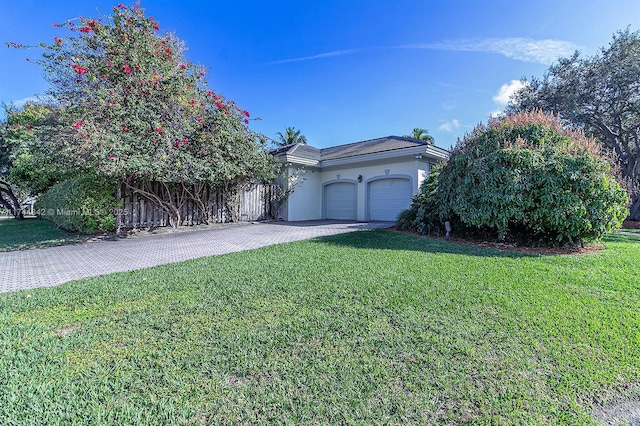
x,y
343,71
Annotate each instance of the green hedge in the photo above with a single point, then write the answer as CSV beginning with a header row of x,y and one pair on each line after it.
x,y
523,178
82,204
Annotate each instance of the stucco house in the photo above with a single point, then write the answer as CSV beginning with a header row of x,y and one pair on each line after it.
x,y
371,180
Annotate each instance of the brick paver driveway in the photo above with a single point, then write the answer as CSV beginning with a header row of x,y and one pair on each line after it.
x,y
51,266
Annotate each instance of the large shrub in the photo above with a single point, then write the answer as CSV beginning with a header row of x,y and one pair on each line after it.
x,y
525,177
128,105
82,204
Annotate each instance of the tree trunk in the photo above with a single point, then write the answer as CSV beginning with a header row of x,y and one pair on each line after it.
x,y
12,204
634,208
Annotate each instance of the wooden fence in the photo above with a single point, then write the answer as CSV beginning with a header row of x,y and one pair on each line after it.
x,y
258,202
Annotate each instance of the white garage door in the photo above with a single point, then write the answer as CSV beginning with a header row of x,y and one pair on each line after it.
x,y
388,197
340,200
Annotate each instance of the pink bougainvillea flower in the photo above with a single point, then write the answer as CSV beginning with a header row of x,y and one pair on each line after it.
x,y
58,40
85,29
124,129
176,144
158,130
111,157
185,140
246,121
246,113
78,124
127,69
183,66
78,69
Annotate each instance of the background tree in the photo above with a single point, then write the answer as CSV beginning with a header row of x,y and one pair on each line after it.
x,y
29,164
421,135
8,199
20,173
291,136
131,107
601,95
524,177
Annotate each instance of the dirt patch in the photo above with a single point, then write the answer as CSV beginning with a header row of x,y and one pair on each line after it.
x,y
587,249
66,330
623,413
631,224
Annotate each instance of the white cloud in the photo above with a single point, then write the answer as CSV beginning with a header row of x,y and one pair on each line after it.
x,y
450,126
321,55
544,51
496,114
507,90
19,103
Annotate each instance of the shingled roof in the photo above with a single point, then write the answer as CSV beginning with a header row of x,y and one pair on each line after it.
x,y
372,146
298,150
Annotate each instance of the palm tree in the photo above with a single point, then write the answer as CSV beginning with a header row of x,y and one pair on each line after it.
x,y
421,135
291,136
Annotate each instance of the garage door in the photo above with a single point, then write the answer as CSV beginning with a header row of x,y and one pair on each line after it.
x,y
340,201
388,197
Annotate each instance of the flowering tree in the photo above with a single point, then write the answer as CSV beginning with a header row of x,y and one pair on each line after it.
x,y
131,107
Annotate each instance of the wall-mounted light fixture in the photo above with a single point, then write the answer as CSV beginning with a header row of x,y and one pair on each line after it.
x,y
419,157
359,178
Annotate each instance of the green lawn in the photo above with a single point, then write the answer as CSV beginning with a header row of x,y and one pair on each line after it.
x,y
634,230
372,327
31,232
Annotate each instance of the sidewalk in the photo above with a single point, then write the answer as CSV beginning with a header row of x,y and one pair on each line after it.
x,y
27,269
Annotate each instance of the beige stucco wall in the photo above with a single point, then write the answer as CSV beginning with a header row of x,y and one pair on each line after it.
x,y
306,201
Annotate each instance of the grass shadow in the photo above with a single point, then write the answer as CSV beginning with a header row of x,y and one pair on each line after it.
x,y
32,232
381,239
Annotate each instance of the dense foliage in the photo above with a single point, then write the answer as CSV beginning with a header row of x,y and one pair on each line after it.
x,y
83,204
421,135
291,136
130,107
601,95
31,162
523,177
